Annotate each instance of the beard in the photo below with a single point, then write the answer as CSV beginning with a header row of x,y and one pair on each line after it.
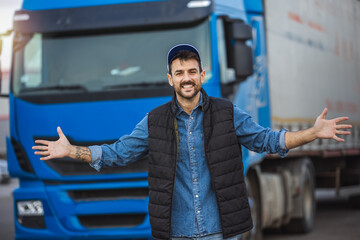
x,y
178,90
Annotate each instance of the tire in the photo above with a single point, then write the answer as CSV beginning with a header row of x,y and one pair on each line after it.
x,y
255,204
307,202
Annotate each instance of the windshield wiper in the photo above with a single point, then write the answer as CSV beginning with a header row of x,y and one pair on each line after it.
x,y
56,87
137,85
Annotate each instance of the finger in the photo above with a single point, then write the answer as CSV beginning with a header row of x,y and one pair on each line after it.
x,y
40,147
60,132
44,142
46,158
338,139
42,153
343,132
323,114
340,119
343,126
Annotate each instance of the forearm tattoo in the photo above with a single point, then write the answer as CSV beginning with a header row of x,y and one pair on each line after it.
x,y
83,154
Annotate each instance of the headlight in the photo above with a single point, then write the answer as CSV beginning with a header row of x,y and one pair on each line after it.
x,y
30,208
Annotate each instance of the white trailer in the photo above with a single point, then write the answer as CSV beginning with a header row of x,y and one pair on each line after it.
x,y
313,49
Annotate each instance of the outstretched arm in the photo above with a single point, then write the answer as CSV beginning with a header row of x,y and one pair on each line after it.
x,y
61,148
322,128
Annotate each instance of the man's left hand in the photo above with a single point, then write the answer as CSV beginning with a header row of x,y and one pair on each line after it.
x,y
330,128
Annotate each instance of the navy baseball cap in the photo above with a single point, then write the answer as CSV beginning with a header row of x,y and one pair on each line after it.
x,y
181,47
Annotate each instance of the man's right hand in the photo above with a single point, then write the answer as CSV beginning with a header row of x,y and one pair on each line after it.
x,y
53,149
61,148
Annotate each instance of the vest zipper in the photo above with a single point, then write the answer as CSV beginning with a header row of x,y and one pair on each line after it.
x,y
177,153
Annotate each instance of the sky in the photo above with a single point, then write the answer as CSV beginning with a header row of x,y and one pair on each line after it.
x,y
7,9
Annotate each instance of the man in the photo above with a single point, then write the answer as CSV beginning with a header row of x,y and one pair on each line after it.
x,y
196,176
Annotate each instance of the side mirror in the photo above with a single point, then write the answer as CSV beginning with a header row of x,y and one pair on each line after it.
x,y
239,55
243,57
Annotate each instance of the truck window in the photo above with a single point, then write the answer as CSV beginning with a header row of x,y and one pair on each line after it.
x,y
29,75
102,62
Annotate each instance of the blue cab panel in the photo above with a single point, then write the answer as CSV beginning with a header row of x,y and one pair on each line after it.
x,y
79,202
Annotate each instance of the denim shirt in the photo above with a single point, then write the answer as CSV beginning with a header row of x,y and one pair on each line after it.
x,y
194,208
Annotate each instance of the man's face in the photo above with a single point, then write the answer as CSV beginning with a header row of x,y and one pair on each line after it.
x,y
186,78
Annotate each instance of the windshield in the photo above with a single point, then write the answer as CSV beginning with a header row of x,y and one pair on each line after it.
x,y
105,62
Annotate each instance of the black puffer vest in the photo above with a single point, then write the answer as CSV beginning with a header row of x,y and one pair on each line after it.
x,y
223,156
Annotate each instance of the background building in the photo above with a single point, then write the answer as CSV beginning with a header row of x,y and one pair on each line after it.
x,y
7,8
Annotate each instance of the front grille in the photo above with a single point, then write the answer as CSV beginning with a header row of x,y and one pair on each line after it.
x,y
111,220
70,167
109,194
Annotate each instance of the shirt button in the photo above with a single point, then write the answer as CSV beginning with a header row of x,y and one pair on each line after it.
x,y
198,211
190,133
195,180
192,117
192,148
196,195
194,164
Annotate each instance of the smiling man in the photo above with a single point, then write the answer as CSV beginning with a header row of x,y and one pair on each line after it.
x,y
185,75
196,176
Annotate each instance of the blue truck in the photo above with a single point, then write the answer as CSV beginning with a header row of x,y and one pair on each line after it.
x,y
96,67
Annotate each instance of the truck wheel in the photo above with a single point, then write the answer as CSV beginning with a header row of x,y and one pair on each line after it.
x,y
307,202
255,204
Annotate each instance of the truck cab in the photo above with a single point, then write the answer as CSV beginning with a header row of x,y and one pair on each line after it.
x,y
96,68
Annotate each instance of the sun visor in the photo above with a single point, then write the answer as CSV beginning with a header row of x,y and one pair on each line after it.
x,y
130,15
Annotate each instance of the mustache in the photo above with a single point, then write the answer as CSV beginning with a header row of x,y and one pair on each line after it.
x,y
187,83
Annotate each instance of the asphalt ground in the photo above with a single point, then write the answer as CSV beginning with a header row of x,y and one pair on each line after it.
x,y
336,217
6,210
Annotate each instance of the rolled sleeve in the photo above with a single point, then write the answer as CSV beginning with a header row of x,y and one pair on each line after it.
x,y
282,151
96,153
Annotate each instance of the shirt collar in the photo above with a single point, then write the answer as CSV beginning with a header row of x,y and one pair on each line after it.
x,y
200,104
